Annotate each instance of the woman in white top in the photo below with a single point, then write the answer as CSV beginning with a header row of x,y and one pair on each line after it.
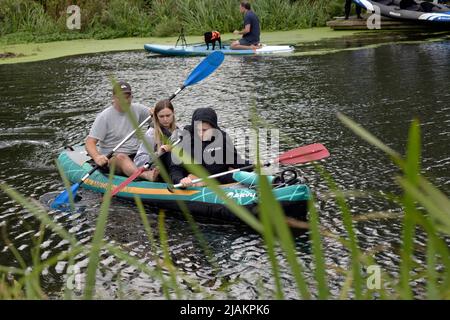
x,y
163,127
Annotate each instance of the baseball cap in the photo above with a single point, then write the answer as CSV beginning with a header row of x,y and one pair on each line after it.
x,y
124,86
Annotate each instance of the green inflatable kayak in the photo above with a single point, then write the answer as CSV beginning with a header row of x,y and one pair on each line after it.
x,y
201,201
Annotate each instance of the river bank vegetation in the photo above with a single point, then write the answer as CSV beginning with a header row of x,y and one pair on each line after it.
x,y
24,21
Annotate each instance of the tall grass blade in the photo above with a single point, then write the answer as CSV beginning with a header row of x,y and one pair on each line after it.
x,y
275,226
167,260
436,203
353,245
412,170
431,228
284,235
432,290
154,248
318,251
97,240
265,211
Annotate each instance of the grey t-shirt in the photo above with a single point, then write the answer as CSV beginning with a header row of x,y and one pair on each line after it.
x,y
111,127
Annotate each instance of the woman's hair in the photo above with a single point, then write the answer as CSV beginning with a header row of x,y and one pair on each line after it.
x,y
161,105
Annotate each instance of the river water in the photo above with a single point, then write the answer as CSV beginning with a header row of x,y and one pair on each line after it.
x,y
47,105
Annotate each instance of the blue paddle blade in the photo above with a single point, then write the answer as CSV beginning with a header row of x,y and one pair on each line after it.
x,y
205,68
63,198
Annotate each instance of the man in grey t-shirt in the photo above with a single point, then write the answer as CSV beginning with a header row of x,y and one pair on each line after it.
x,y
110,127
250,33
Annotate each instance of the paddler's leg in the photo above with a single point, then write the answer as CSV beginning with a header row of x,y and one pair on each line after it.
x,y
124,165
243,45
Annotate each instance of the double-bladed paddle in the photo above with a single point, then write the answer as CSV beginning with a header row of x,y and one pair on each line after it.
x,y
203,70
304,154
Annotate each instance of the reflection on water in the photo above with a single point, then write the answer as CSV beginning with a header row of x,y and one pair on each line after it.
x,y
47,105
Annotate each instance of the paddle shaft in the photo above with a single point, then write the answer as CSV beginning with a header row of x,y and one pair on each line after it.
x,y
177,92
217,175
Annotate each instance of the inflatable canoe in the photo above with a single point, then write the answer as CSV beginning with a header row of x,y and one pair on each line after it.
x,y
200,50
201,201
421,11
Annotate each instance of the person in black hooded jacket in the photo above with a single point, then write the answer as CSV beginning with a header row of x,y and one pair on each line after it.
x,y
209,146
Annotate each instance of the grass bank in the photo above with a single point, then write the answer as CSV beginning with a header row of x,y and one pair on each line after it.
x,y
29,52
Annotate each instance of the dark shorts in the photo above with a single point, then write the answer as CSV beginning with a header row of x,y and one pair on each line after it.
x,y
245,42
132,156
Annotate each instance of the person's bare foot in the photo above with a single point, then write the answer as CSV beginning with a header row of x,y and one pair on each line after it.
x,y
150,175
256,46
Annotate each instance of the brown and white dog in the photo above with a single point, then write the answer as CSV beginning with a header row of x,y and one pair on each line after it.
x,y
212,37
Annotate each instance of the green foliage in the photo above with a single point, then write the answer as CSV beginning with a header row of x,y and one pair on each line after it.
x,y
167,26
39,20
24,16
126,18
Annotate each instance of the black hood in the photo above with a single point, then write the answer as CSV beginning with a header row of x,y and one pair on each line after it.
x,y
206,115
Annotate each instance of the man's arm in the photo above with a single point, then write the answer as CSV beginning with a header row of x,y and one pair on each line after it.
x,y
246,30
91,148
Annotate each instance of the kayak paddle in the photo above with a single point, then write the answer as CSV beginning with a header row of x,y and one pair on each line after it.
x,y
203,70
312,152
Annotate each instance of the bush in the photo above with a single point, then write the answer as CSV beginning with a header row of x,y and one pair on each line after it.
x,y
167,27
46,19
24,16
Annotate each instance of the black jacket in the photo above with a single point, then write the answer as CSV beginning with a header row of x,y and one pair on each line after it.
x,y
165,157
217,155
